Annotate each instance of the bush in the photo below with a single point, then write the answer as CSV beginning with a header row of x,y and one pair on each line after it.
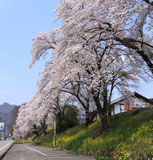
x,y
68,119
49,130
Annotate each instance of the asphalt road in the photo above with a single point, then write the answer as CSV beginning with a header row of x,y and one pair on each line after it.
x,y
32,152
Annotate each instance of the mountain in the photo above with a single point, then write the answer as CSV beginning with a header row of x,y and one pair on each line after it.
x,y
6,107
6,115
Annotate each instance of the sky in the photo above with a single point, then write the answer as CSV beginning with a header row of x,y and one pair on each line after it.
x,y
20,21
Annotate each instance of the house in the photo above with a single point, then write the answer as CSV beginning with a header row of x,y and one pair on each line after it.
x,y
132,102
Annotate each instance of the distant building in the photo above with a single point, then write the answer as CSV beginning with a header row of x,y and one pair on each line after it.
x,y
1,125
135,101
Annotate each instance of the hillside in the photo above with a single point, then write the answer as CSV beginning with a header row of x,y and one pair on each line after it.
x,y
5,114
131,137
6,107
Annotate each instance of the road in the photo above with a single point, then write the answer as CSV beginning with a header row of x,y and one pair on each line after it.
x,y
32,152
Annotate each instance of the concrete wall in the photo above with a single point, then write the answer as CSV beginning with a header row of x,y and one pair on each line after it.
x,y
4,149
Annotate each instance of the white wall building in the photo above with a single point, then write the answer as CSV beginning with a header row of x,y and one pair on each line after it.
x,y
135,101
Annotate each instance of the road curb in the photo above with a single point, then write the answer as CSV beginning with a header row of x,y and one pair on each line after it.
x,y
4,150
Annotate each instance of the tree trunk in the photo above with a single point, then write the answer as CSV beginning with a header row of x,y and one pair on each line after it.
x,y
43,124
44,128
86,108
92,116
106,111
103,112
105,123
60,125
109,111
35,130
54,136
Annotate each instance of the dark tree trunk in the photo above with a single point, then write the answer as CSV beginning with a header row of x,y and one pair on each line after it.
x,y
103,112
109,111
60,126
93,115
54,135
87,119
35,131
90,116
86,108
105,123
43,125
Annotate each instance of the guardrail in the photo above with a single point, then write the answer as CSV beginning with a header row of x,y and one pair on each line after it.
x,y
5,149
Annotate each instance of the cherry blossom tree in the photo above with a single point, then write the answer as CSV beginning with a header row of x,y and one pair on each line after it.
x,y
31,116
126,23
101,46
100,67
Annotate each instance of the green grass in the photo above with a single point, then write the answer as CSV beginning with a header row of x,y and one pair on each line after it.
x,y
131,137
22,141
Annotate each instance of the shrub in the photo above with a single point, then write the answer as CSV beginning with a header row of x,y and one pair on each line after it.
x,y
68,119
49,130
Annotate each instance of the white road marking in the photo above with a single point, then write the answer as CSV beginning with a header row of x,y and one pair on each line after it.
x,y
6,145
36,151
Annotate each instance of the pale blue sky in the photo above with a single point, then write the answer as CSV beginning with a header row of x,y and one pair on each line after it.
x,y
20,21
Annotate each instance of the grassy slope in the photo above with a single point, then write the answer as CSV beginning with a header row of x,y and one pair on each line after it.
x,y
131,137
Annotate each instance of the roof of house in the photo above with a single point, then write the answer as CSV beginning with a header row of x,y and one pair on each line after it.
x,y
134,94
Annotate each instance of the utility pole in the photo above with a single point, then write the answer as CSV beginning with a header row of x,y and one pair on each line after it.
x,y
54,136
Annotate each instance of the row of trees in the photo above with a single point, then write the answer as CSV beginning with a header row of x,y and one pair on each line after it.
x,y
101,47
